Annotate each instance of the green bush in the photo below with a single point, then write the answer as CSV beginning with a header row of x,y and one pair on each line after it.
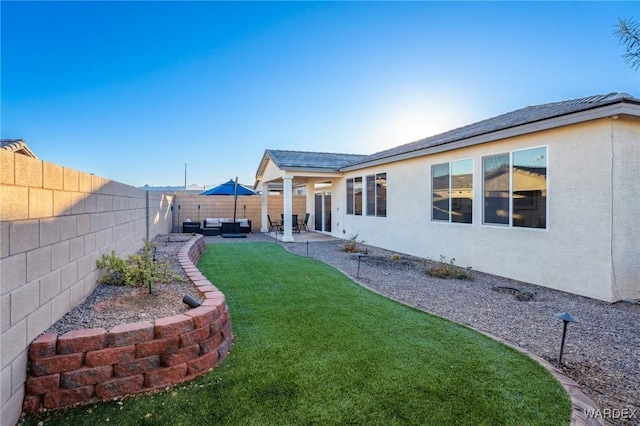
x,y
136,270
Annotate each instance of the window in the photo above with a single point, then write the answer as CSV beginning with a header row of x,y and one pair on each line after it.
x,y
440,191
496,189
452,191
377,195
354,196
515,188
357,196
349,196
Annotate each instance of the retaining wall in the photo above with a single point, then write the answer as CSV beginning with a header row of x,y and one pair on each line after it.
x,y
83,366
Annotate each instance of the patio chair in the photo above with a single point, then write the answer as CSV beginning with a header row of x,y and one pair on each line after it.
x,y
295,226
305,223
273,226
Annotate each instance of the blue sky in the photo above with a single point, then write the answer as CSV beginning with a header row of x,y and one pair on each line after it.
x,y
134,90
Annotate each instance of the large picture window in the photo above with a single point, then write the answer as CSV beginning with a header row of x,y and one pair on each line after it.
x,y
515,188
354,196
452,191
377,195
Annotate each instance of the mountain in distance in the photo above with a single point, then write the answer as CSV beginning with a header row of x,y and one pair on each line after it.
x,y
190,188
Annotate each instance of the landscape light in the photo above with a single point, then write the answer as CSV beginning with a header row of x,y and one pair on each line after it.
x,y
193,303
566,319
359,256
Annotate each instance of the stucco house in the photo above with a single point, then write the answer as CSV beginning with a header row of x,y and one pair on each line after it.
x,y
547,194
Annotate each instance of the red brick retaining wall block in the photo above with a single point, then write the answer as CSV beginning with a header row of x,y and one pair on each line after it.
x,y
87,365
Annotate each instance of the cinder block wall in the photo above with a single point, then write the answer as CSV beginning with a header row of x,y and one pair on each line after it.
x,y
185,206
55,222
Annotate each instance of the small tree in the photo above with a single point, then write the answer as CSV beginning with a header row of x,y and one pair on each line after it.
x,y
136,270
628,33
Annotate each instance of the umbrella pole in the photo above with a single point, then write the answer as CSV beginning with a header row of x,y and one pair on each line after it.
x,y
235,199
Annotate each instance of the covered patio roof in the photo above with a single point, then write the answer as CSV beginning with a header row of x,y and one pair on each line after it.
x,y
302,164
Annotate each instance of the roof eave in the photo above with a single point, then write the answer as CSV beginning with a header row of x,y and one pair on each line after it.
x,y
263,165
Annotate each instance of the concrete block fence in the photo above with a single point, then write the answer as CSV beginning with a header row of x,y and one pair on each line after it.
x,y
55,222
83,366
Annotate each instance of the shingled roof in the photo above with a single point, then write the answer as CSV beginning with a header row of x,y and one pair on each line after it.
x,y
16,146
521,121
312,160
520,117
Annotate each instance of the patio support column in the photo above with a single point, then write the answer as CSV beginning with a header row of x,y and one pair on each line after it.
x,y
288,209
264,210
310,204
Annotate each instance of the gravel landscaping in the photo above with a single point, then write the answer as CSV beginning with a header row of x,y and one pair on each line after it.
x,y
601,353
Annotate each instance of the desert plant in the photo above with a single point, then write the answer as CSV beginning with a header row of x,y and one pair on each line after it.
x,y
448,269
138,269
352,244
395,257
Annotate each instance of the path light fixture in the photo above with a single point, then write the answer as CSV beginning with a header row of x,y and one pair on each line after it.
x,y
359,256
307,248
193,303
566,319
154,261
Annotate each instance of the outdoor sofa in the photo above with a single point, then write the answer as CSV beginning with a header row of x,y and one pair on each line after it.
x,y
213,226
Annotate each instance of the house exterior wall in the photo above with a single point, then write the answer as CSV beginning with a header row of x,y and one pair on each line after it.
x,y
592,198
626,208
55,222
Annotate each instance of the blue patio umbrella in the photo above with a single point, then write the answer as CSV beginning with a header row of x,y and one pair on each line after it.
x,y
230,188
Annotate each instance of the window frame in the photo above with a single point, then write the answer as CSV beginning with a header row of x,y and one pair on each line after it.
x,y
354,200
511,203
358,199
373,197
349,196
450,202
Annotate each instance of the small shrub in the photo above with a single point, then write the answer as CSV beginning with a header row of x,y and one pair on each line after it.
x,y
449,269
395,257
136,269
352,244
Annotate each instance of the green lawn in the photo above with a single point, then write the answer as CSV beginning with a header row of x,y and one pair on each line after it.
x,y
313,347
